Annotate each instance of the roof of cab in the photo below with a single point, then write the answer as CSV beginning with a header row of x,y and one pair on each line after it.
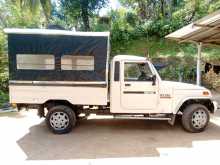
x,y
53,32
128,57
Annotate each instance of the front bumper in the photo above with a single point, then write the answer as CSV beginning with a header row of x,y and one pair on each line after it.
x,y
215,104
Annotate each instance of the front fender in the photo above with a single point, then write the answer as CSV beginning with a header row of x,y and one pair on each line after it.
x,y
193,99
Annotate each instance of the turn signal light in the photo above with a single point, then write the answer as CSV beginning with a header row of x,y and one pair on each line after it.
x,y
14,105
205,93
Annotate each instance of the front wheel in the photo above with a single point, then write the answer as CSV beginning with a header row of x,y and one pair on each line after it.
x,y
60,119
195,118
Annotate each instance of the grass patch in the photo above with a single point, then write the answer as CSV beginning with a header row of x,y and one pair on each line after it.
x,y
162,47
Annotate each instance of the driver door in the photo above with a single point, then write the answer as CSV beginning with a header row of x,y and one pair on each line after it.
x,y
137,89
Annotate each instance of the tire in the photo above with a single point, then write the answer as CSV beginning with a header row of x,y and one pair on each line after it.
x,y
195,118
60,119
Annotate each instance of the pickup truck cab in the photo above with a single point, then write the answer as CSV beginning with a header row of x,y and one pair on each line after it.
x,y
68,75
136,88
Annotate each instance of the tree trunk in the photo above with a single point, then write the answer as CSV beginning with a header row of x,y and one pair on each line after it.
x,y
169,9
142,9
46,6
85,15
166,8
162,8
195,6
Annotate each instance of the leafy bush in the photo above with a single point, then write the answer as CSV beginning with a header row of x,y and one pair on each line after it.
x,y
131,18
2,42
4,81
125,27
211,80
215,6
176,73
101,24
101,27
3,71
3,98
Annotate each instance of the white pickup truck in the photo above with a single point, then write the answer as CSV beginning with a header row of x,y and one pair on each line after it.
x,y
67,75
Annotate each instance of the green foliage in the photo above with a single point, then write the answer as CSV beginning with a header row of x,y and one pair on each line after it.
x,y
146,9
156,47
174,72
100,27
15,16
4,78
3,98
2,43
81,10
34,6
214,6
46,6
100,24
120,29
3,70
131,18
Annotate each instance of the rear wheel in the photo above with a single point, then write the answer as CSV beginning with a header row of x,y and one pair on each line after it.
x,y
60,119
195,118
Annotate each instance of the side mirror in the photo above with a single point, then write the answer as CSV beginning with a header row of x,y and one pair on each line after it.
x,y
154,77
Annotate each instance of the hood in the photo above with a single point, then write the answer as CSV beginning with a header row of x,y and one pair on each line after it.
x,y
182,86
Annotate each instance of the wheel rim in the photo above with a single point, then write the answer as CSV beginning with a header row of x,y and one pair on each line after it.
x,y
199,119
59,120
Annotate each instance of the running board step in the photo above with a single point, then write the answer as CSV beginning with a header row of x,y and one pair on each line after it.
x,y
141,117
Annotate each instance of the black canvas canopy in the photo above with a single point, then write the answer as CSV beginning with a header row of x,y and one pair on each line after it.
x,y
58,43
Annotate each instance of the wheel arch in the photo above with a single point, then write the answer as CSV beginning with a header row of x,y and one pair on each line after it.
x,y
49,103
204,101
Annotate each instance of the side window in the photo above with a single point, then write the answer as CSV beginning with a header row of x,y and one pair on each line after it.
x,y
137,72
70,62
117,71
35,61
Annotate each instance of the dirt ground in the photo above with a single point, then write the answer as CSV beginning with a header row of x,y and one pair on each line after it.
x,y
25,137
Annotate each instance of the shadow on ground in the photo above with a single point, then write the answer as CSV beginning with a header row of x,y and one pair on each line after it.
x,y
108,138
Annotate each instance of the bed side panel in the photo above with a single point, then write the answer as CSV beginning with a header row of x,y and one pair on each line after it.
x,y
81,95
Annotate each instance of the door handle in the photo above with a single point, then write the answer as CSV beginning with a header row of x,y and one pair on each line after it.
x,y
127,85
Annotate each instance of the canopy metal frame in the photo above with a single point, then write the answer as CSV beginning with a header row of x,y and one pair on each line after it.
x,y
203,32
